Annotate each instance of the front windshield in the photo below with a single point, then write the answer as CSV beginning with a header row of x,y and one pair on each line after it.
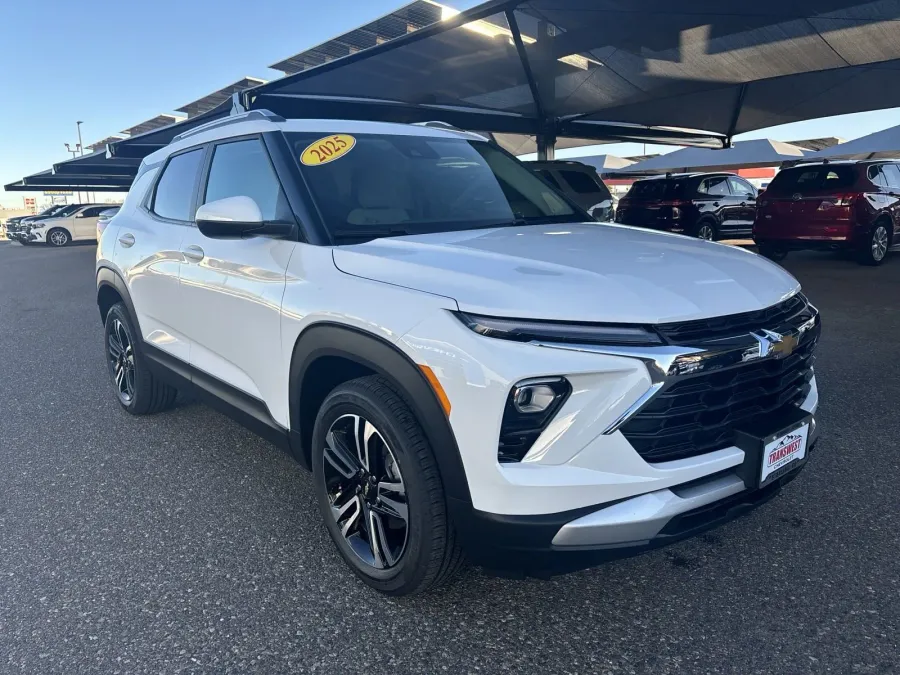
x,y
391,184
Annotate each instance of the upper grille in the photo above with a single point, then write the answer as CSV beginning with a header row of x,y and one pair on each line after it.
x,y
699,414
689,332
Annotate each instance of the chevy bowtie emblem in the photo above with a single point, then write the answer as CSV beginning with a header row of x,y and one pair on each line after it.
x,y
774,344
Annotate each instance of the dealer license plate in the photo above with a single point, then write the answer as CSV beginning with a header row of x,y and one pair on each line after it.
x,y
782,454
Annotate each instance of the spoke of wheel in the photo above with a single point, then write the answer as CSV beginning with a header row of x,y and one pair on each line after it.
x,y
120,376
129,381
122,335
362,432
115,347
378,541
392,507
339,457
348,513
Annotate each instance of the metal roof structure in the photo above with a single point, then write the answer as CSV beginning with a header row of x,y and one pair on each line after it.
x,y
884,144
218,97
817,144
101,145
398,23
617,69
742,155
157,122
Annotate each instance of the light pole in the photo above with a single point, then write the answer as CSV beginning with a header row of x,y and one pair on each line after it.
x,y
80,144
74,152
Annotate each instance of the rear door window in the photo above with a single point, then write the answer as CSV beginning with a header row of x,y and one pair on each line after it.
x,y
716,186
892,173
93,212
175,189
876,176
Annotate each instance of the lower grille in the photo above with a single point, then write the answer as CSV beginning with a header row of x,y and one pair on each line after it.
x,y
699,414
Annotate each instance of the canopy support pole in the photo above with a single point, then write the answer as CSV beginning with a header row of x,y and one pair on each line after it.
x,y
546,136
738,104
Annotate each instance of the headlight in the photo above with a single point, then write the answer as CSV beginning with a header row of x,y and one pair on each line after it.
x,y
525,330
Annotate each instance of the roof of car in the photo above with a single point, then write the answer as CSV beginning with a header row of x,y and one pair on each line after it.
x,y
840,162
258,121
682,176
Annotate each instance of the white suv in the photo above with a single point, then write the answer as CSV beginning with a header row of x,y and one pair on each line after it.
x,y
463,361
75,223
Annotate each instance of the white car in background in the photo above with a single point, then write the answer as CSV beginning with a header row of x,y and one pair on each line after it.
x,y
463,358
77,225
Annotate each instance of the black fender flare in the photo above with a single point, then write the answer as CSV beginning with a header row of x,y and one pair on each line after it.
x,y
108,277
379,355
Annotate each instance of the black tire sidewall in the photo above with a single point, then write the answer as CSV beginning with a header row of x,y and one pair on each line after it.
x,y
865,252
118,311
407,574
710,223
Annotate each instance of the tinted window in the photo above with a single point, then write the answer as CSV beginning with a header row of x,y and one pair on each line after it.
x,y
243,169
580,182
892,173
876,176
395,184
714,187
811,178
547,176
648,190
175,189
741,188
93,212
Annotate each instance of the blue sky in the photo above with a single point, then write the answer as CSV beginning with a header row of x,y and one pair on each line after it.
x,y
114,64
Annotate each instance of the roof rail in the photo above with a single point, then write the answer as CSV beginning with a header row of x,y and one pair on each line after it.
x,y
231,119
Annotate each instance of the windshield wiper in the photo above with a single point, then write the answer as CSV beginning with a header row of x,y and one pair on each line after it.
x,y
370,233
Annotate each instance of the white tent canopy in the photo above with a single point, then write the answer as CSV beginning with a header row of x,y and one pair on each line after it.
x,y
880,145
742,155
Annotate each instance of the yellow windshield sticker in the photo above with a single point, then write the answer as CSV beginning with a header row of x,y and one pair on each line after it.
x,y
327,149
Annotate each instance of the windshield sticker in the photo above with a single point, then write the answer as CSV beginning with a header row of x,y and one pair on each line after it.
x,y
327,149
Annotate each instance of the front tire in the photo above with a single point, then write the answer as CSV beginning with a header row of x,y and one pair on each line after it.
x,y
379,490
138,390
874,249
58,237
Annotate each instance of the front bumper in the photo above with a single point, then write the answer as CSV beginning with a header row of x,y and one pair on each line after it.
x,y
565,542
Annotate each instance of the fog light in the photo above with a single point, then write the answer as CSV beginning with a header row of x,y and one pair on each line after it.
x,y
530,407
533,398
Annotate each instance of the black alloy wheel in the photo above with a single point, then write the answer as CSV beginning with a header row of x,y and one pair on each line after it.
x,y
138,389
380,491
120,353
366,491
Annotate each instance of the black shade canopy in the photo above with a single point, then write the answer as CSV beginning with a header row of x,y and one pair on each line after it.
x,y
581,67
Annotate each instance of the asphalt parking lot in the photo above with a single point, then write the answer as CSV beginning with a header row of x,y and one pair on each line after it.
x,y
182,543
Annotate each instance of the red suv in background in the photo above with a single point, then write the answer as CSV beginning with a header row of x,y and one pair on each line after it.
x,y
832,205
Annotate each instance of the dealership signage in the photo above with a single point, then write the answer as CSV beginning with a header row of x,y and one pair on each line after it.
x,y
57,193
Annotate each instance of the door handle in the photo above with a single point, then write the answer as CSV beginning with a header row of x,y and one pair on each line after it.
x,y
193,253
715,203
127,240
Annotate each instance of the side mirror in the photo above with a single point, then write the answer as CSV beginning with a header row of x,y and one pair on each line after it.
x,y
237,218
79,215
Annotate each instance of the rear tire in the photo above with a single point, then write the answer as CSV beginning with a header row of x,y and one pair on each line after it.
x,y
875,247
138,390
775,253
707,229
375,472
58,237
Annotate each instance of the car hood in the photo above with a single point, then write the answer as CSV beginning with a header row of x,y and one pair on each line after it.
x,y
575,272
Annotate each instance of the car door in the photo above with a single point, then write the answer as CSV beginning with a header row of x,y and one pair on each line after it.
x,y
892,175
714,197
148,249
233,288
85,223
745,196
